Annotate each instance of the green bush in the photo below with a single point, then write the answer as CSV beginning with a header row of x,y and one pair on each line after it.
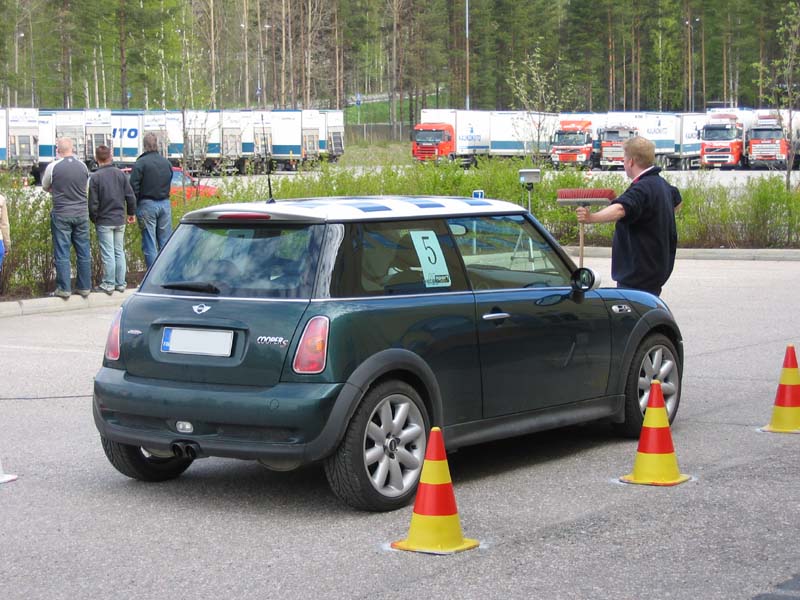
x,y
758,214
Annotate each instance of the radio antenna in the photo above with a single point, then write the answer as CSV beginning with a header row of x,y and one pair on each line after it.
x,y
268,158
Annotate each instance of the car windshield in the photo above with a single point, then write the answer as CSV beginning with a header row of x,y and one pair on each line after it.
x,y
243,261
428,136
613,135
568,138
766,134
719,134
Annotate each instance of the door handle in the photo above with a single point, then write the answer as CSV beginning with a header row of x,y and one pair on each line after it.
x,y
495,316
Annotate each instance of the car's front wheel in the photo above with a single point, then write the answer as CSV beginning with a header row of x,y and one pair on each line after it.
x,y
655,358
378,464
138,463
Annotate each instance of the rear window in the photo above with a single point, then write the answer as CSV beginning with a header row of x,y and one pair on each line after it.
x,y
241,261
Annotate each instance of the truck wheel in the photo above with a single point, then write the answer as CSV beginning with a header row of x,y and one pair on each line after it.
x,y
379,461
138,463
655,358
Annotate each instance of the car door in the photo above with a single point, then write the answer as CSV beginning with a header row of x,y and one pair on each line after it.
x,y
540,344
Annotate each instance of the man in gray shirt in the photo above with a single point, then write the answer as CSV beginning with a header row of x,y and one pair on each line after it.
x,y
67,180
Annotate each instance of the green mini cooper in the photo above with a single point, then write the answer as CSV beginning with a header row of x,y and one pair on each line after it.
x,y
342,329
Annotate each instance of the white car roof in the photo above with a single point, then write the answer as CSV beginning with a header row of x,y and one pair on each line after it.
x,y
360,208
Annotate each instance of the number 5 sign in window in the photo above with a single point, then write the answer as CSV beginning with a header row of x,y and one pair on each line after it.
x,y
431,258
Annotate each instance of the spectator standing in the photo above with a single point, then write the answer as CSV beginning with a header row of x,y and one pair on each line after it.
x,y
5,230
66,179
151,178
645,235
110,193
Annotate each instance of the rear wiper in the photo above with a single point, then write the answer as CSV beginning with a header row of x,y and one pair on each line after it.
x,y
192,286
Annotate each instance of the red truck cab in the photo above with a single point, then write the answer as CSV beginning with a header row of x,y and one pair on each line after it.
x,y
611,140
722,142
767,145
433,141
573,144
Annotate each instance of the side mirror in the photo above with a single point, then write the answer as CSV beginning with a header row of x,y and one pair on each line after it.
x,y
584,280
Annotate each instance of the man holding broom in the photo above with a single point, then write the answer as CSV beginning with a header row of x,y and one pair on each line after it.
x,y
645,236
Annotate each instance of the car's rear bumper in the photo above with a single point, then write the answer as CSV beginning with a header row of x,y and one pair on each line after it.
x,y
293,422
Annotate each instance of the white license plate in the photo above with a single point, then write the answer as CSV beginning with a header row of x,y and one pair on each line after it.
x,y
208,342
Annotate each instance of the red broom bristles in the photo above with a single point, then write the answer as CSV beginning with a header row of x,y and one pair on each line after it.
x,y
585,196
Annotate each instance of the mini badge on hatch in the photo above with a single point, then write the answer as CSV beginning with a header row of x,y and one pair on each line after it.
x,y
201,308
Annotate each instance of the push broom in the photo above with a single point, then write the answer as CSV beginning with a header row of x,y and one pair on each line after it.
x,y
584,197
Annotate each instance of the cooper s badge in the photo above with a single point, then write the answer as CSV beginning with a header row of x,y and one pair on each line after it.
x,y
272,340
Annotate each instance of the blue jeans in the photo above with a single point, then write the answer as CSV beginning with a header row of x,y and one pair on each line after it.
x,y
2,253
111,239
155,221
71,231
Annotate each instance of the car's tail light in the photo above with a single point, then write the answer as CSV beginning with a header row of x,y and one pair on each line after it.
x,y
112,341
313,347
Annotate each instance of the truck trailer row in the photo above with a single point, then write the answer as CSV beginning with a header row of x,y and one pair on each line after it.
x,y
203,141
734,138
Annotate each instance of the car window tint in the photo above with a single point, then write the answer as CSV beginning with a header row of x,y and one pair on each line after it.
x,y
275,261
507,252
398,257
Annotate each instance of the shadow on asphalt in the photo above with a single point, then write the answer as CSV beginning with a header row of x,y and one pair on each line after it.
x,y
246,486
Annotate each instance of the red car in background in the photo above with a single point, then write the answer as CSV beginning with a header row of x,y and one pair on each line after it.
x,y
182,183
181,179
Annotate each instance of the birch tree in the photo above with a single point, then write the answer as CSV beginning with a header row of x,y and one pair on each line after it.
x,y
785,80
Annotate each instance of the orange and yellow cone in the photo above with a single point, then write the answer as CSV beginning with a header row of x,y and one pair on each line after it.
x,y
786,412
656,463
435,526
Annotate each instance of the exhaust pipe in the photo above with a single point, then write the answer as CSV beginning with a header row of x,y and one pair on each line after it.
x,y
186,450
179,449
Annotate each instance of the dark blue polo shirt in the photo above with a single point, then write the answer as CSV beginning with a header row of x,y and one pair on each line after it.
x,y
645,239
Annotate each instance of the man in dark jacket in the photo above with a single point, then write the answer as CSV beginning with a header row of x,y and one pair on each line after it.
x,y
151,178
645,236
110,193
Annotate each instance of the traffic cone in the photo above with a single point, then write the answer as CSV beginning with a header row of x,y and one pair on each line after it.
x,y
786,412
656,463
435,527
5,477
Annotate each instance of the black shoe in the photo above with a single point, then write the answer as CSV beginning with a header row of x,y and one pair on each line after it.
x,y
101,290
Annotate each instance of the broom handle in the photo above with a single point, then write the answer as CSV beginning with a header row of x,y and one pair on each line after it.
x,y
580,244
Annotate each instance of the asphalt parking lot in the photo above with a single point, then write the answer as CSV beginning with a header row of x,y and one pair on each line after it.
x,y
552,519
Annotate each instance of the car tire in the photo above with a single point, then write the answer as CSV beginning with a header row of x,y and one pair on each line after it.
x,y
655,358
137,463
378,463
